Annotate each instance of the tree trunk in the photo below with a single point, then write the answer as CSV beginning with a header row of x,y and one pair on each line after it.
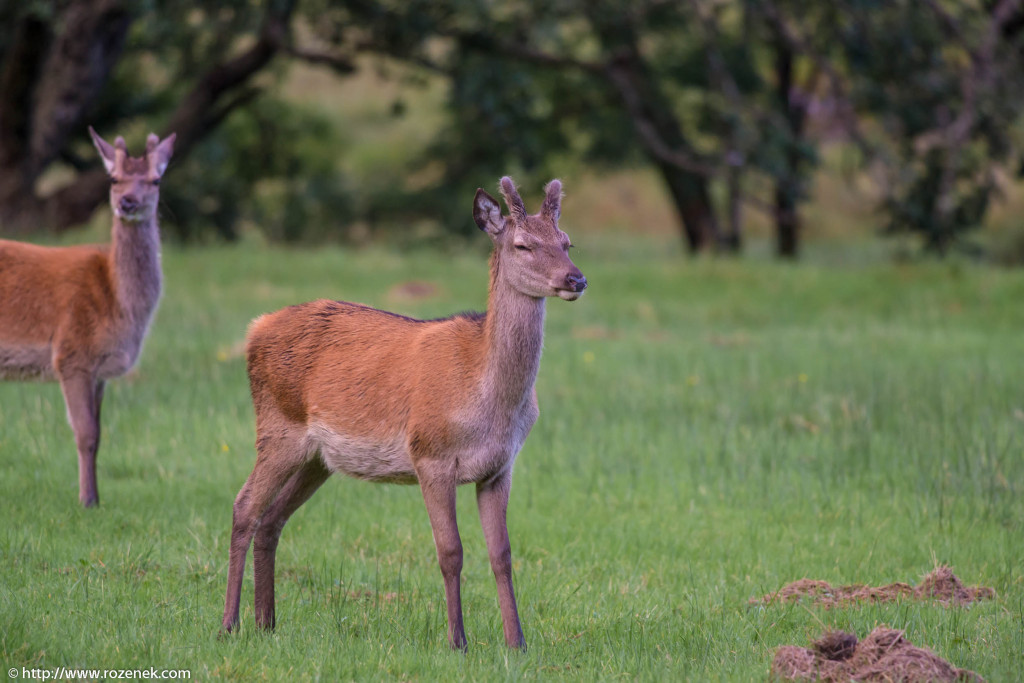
x,y
52,75
77,67
41,108
787,183
787,223
21,65
689,194
732,239
651,112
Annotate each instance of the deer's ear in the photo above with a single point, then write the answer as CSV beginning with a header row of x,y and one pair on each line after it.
x,y
105,149
512,199
552,206
160,155
487,213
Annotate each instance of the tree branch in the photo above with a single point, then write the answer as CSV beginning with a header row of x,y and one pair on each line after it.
x,y
481,42
341,64
379,48
646,129
615,71
217,92
192,121
237,99
979,79
801,45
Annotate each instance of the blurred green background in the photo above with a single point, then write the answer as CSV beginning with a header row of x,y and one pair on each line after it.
x,y
738,125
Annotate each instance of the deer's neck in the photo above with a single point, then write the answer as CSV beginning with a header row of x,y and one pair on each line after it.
x,y
135,256
514,337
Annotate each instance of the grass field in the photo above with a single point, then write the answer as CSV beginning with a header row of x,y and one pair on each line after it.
x,y
709,431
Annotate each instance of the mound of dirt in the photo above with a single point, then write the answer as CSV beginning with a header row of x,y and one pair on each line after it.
x,y
884,655
943,585
940,585
413,290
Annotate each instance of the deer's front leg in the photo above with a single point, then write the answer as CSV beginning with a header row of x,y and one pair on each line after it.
x,y
492,499
82,396
437,481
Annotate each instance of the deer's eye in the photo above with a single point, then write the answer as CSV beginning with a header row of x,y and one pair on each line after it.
x,y
155,182
523,247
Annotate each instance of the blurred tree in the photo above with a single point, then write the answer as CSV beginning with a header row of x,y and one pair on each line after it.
x,y
182,67
269,165
716,95
712,91
538,81
937,99
691,87
949,105
56,61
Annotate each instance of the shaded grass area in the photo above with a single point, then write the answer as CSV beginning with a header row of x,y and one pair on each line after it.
x,y
709,431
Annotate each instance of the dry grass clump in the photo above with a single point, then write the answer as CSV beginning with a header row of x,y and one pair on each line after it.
x,y
884,655
940,585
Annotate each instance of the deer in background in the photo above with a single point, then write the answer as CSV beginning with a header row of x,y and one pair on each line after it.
x,y
79,314
340,387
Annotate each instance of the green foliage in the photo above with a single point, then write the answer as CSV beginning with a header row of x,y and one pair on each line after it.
x,y
502,118
1009,249
709,431
168,46
271,167
932,87
947,103
531,90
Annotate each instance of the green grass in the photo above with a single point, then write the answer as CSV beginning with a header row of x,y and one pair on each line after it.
x,y
709,431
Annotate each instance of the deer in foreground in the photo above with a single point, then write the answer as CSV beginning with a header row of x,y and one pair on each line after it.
x,y
79,314
340,387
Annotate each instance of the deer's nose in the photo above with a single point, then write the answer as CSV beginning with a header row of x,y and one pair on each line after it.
x,y
128,204
575,282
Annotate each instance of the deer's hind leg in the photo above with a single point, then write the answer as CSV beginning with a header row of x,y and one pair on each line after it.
x,y
278,459
297,491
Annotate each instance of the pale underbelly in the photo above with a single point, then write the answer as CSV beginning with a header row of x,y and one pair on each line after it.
x,y
23,363
388,460
383,460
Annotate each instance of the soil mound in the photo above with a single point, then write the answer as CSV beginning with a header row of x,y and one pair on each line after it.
x,y
884,655
940,585
413,290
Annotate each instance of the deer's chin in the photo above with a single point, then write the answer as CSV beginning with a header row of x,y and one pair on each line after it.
x,y
135,217
568,294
